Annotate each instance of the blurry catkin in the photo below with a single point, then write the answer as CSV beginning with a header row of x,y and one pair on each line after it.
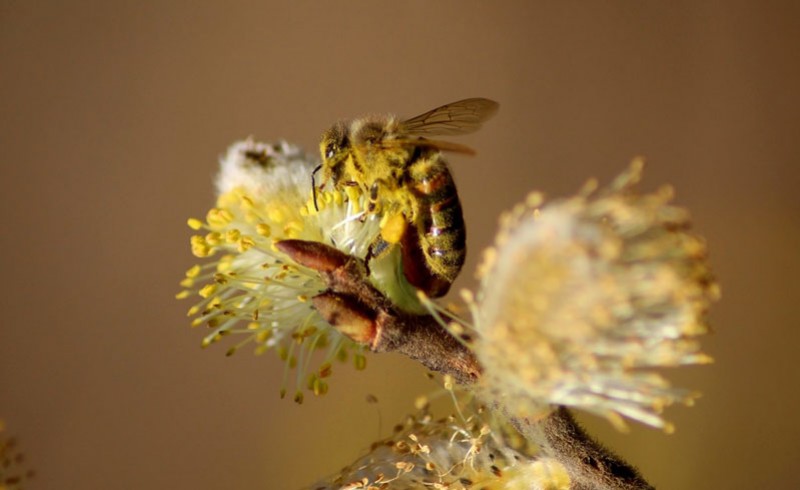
x,y
14,473
478,453
581,298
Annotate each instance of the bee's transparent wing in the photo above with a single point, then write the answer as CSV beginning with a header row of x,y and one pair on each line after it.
x,y
461,117
388,145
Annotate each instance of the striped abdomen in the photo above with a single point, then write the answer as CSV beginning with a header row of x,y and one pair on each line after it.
x,y
435,248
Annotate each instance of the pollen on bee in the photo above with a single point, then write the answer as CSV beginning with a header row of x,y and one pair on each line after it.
x,y
353,194
393,227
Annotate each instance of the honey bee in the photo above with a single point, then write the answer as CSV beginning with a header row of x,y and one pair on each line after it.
x,y
408,182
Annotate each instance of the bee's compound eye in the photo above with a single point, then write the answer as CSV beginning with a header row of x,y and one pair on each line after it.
x,y
330,150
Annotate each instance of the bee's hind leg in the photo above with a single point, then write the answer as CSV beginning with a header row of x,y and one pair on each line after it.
x,y
377,249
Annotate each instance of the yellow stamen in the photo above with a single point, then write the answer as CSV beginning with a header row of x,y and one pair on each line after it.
x,y
225,263
207,290
360,362
320,387
246,202
232,236
193,271
219,218
276,215
263,229
228,200
325,370
252,217
199,247
214,238
245,243
293,229
194,223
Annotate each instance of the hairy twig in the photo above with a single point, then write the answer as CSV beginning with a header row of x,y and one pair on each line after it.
x,y
590,464
353,306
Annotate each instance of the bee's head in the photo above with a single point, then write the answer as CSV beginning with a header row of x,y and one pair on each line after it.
x,y
335,148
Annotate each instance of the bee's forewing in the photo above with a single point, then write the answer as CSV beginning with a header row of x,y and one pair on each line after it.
x,y
461,117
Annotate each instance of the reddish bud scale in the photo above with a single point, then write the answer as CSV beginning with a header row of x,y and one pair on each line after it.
x,y
347,315
313,255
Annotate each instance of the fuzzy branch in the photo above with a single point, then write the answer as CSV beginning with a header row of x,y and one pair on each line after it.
x,y
353,306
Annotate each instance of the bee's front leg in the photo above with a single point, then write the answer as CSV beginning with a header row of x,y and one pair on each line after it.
x,y
374,193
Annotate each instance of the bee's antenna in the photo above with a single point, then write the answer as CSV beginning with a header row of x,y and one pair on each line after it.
x,y
314,186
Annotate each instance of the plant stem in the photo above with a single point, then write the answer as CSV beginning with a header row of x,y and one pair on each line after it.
x,y
352,305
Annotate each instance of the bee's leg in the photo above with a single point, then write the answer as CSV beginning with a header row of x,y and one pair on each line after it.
x,y
377,249
393,227
352,190
314,186
374,191
375,196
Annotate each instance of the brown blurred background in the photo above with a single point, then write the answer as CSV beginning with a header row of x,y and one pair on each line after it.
x,y
114,113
